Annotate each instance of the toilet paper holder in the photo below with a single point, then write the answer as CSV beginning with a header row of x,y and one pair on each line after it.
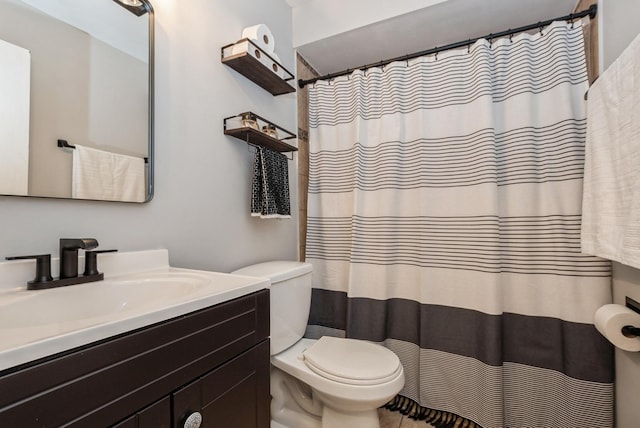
x,y
629,330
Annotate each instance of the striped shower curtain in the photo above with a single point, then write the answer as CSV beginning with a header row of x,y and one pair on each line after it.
x,y
444,222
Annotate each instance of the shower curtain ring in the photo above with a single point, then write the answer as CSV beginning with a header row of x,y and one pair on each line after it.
x,y
540,26
469,46
510,36
436,49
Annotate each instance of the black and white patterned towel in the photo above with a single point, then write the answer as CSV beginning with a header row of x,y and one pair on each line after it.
x,y
270,188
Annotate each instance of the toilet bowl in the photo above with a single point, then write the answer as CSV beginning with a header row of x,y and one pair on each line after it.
x,y
325,383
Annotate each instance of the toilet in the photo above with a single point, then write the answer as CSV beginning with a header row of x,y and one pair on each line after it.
x,y
325,383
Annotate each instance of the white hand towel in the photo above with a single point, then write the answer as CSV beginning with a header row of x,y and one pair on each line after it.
x,y
102,175
611,199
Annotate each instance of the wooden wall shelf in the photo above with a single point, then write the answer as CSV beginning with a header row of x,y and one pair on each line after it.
x,y
256,137
252,62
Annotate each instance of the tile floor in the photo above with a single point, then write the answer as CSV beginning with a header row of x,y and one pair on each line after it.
x,y
390,419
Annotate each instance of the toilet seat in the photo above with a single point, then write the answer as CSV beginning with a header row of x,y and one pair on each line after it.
x,y
352,362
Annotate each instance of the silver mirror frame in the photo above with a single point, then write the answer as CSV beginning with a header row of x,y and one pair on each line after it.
x,y
151,154
146,5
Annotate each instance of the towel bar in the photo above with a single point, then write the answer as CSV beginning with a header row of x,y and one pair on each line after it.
x,y
65,145
256,146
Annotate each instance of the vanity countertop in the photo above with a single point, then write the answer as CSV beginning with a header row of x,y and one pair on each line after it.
x,y
139,289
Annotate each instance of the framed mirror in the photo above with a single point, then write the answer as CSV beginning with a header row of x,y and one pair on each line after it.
x,y
76,99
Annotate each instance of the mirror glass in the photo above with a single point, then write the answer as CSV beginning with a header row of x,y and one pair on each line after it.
x,y
76,73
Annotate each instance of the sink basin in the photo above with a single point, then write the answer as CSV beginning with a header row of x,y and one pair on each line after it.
x,y
34,324
99,299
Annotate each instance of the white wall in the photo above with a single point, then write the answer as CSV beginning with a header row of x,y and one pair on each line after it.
x,y
619,20
201,207
315,20
618,27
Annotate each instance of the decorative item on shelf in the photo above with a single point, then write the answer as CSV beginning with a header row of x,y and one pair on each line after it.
x,y
249,120
270,130
258,131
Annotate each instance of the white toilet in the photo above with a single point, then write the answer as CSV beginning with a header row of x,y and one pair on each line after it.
x,y
330,382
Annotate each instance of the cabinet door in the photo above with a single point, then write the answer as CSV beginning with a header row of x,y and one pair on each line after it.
x,y
157,415
234,395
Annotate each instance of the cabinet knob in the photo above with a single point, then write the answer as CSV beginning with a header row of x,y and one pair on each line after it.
x,y
194,420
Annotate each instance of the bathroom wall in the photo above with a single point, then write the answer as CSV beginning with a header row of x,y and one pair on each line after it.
x,y
318,19
201,207
619,20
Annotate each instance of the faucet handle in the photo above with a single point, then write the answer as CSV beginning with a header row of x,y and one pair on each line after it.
x,y
91,261
43,266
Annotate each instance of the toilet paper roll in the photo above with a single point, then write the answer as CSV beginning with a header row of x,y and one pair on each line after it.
x,y
261,36
610,319
242,47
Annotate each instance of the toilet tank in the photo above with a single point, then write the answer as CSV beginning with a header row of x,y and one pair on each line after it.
x,y
290,298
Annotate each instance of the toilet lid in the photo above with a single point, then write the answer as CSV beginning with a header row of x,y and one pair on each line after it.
x,y
352,361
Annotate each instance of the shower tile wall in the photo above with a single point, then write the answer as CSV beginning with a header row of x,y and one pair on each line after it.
x,y
590,40
304,71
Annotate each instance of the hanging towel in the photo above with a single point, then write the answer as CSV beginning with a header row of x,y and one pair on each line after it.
x,y
102,175
611,199
270,188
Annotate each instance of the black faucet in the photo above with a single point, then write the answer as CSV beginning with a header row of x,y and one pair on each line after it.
x,y
68,265
69,255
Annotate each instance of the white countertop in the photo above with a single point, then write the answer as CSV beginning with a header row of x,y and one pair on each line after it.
x,y
139,289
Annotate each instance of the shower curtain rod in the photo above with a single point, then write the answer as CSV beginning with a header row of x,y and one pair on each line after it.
x,y
591,12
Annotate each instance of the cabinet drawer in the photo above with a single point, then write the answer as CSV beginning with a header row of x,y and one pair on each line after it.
x,y
102,384
234,395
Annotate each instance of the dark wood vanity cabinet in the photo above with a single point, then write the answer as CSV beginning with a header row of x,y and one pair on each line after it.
x,y
214,361
157,415
230,395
